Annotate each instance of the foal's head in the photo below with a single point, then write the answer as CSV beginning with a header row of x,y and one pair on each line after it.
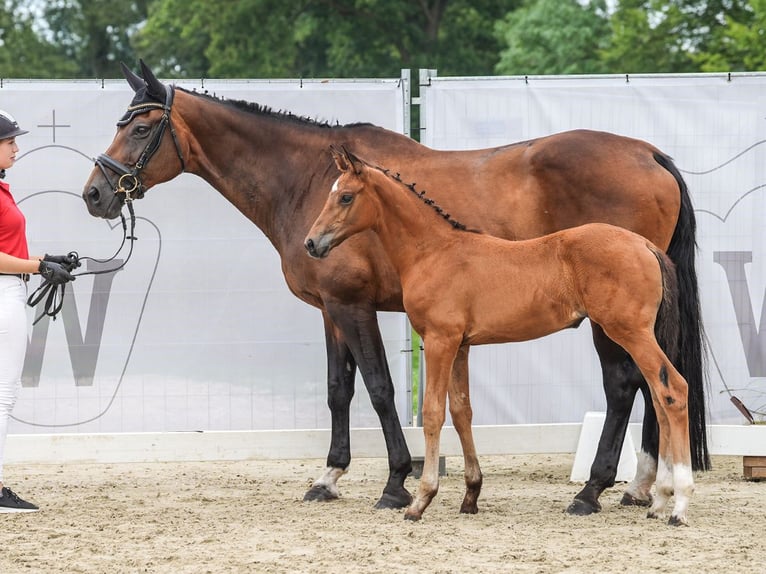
x,y
349,208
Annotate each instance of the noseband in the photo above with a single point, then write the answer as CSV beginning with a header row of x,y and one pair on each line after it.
x,y
129,182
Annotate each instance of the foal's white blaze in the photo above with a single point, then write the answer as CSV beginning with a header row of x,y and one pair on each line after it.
x,y
640,487
334,188
329,480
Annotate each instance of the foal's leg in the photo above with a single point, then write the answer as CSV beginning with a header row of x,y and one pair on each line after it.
x,y
674,467
440,355
670,397
462,415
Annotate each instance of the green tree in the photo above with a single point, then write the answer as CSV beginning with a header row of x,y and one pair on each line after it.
x,y
553,37
320,38
739,44
94,34
23,52
650,36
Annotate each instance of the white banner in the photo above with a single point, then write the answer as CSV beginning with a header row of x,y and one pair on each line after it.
x,y
199,330
713,126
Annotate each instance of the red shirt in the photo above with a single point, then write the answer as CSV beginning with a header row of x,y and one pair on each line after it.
x,y
13,226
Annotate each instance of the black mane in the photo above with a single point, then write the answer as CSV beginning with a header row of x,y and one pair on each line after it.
x,y
421,195
263,110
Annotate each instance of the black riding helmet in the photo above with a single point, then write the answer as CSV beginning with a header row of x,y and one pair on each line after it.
x,y
9,127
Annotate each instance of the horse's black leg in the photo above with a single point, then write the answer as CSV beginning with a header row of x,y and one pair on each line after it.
x,y
638,492
359,326
341,372
621,380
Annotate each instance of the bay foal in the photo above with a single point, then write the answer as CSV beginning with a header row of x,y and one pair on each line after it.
x,y
462,288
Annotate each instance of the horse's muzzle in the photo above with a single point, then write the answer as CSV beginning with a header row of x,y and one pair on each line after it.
x,y
314,250
106,206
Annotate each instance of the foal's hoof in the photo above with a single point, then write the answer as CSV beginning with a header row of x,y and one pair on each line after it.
x,y
677,521
412,517
583,508
394,501
319,493
630,500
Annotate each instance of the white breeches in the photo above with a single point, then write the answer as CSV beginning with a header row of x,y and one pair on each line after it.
x,y
13,346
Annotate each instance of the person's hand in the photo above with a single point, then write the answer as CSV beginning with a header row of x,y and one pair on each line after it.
x,y
54,273
70,261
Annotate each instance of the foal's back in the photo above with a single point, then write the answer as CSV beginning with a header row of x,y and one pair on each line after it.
x,y
503,291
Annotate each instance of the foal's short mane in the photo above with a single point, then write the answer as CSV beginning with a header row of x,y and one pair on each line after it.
x,y
260,109
421,195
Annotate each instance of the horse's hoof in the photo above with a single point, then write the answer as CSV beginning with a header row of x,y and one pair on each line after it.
x,y
394,501
412,517
630,500
469,508
676,521
319,493
582,508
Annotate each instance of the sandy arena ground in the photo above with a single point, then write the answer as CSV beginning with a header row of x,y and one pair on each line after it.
x,y
232,517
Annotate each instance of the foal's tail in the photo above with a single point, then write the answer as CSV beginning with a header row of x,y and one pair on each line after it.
x,y
667,326
690,359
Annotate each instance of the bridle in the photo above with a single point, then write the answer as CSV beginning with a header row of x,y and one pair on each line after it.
x,y
129,182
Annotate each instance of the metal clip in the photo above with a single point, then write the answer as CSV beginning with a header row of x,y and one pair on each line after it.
x,y
127,191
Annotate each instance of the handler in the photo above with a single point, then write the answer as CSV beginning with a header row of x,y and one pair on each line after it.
x,y
15,267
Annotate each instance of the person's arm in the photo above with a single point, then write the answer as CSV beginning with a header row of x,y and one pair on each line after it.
x,y
11,264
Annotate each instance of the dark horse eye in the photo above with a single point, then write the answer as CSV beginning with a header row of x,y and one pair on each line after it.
x,y
141,130
346,198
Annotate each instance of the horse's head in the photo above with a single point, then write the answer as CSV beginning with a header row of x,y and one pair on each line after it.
x,y
144,151
346,210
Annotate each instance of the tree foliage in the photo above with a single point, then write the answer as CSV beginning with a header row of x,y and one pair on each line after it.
x,y
320,38
377,38
553,37
649,36
24,53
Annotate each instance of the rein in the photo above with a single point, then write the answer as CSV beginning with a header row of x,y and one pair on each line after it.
x,y
54,294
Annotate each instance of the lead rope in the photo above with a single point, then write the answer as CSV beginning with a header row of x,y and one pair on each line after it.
x,y
54,294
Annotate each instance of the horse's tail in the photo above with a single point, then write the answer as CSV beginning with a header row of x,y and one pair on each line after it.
x,y
667,328
690,358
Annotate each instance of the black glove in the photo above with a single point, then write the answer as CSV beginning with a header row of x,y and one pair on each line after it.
x,y
70,261
54,273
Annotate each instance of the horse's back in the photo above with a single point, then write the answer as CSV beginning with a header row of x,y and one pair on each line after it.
x,y
536,187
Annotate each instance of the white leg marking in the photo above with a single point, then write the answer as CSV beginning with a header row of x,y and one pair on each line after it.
x,y
329,480
664,488
640,487
683,481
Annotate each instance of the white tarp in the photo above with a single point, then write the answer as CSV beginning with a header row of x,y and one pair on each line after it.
x,y
199,331
713,126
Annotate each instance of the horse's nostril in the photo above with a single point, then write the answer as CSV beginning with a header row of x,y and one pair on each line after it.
x,y
94,195
310,246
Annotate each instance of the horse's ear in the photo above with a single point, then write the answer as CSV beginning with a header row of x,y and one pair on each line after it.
x,y
340,155
154,87
133,79
345,160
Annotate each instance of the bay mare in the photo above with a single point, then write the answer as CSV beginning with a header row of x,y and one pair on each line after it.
x,y
276,168
462,288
